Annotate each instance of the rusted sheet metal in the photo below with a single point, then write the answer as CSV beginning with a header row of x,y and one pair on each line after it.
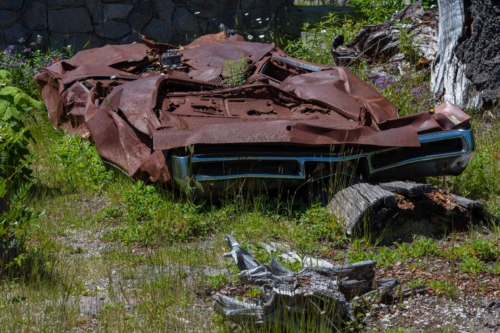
x,y
137,108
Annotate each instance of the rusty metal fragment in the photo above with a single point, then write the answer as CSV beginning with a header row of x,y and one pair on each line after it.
x,y
152,109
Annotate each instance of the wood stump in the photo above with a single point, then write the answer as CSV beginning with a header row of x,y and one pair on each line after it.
x,y
399,211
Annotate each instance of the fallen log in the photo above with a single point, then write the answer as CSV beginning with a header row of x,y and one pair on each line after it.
x,y
398,211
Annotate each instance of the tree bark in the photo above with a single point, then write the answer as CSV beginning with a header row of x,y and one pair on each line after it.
x,y
448,72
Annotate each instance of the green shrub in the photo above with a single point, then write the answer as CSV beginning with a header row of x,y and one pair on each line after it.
x,y
378,11
315,44
15,159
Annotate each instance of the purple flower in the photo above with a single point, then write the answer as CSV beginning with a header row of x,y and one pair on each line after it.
x,y
14,64
21,40
415,91
23,82
32,44
39,39
27,49
8,52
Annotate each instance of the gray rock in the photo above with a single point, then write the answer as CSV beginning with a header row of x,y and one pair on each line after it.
x,y
34,15
3,44
11,4
161,31
77,42
229,19
275,4
96,10
186,24
90,306
12,34
286,20
249,4
7,18
117,11
257,18
163,9
71,20
57,42
45,38
203,25
83,41
141,15
112,29
133,37
65,3
107,41
206,11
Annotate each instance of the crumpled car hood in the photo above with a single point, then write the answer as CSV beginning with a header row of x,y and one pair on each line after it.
x,y
136,109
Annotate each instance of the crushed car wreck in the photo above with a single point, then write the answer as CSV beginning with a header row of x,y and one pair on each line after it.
x,y
168,114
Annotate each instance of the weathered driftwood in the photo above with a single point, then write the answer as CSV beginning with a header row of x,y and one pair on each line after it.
x,y
315,295
382,42
397,211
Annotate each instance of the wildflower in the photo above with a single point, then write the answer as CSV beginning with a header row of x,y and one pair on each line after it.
x,y
430,292
415,91
495,155
56,59
21,40
38,39
23,82
32,44
8,51
27,49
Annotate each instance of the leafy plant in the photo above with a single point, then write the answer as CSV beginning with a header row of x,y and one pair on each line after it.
x,y
217,281
378,11
315,44
235,72
24,65
426,4
15,158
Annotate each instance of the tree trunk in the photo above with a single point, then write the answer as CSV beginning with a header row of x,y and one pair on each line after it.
x,y
448,72
467,69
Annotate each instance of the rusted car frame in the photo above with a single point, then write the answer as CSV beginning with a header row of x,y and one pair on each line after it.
x,y
167,114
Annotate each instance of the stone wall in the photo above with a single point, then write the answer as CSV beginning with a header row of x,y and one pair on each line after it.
x,y
92,23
